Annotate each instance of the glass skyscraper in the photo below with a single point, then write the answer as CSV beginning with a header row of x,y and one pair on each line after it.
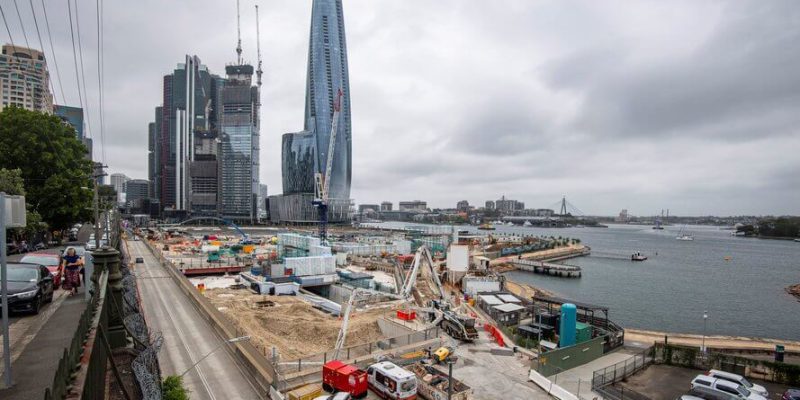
x,y
327,73
239,136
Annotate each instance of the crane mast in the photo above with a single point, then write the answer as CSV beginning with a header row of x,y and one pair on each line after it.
x,y
322,182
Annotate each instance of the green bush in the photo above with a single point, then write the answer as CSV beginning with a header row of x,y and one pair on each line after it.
x,y
173,389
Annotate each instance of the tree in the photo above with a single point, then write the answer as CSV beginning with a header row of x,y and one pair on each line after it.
x,y
52,163
11,182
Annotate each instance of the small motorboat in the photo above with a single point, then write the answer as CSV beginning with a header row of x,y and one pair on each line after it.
x,y
638,257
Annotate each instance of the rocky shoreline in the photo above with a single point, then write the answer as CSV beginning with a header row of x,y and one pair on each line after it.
x,y
794,290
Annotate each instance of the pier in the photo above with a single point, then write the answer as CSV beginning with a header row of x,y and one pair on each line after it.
x,y
546,268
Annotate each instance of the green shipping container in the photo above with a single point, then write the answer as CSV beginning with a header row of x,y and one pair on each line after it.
x,y
583,332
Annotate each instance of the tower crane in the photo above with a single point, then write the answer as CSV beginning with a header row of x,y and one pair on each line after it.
x,y
322,182
238,36
258,50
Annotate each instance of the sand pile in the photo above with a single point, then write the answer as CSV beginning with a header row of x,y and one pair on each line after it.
x,y
290,324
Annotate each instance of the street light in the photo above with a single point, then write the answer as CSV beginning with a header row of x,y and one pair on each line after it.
x,y
229,341
705,320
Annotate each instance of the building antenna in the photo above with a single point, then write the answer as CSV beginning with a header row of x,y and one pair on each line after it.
x,y
258,49
238,35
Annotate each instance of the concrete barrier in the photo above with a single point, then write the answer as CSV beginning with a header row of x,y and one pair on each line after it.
x,y
550,387
256,364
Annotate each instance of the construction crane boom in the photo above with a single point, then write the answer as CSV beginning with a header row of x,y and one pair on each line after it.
x,y
258,50
238,36
322,182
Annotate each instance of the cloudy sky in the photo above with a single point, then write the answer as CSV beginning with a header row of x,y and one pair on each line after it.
x,y
688,105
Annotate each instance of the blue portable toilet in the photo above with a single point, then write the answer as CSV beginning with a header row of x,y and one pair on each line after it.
x,y
568,320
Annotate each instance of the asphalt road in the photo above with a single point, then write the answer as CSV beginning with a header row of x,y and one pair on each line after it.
x,y
187,336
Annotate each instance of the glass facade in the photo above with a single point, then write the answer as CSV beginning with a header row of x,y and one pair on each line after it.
x,y
298,162
327,73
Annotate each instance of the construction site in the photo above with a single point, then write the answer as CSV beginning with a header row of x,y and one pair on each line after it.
x,y
416,299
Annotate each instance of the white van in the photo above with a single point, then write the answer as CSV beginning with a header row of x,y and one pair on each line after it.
x,y
392,382
736,378
725,387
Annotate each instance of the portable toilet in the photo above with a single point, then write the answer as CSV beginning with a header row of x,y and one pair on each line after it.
x,y
567,328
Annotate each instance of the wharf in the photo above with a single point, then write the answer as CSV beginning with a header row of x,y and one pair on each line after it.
x,y
546,268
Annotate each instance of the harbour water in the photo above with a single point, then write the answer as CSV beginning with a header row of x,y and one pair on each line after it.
x,y
739,281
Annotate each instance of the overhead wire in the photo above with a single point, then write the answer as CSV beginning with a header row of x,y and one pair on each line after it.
x,y
83,79
22,25
101,75
75,59
53,51
41,44
5,22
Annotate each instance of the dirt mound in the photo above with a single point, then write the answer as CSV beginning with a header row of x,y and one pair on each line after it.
x,y
290,324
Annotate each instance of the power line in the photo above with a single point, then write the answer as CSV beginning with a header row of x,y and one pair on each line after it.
x,y
101,75
83,76
21,25
41,44
53,48
6,24
75,59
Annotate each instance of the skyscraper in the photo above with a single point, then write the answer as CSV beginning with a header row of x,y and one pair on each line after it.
x,y
239,136
24,79
327,73
186,109
305,153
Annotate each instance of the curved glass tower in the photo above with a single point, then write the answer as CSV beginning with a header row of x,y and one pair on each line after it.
x,y
327,73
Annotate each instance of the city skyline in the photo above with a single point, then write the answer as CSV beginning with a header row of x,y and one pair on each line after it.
x,y
655,107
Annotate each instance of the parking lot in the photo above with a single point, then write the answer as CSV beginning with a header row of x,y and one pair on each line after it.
x,y
666,382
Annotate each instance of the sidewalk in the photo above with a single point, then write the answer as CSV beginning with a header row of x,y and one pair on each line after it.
x,y
34,368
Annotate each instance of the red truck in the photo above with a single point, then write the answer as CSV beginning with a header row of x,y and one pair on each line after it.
x,y
340,377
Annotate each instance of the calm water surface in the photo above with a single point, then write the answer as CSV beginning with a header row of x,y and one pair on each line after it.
x,y
744,296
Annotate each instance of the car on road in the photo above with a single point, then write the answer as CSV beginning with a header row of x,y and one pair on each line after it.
x,y
725,386
736,378
80,250
791,394
139,260
29,287
49,260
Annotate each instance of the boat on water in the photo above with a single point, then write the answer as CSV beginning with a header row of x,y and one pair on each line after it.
x,y
527,223
797,240
486,227
684,236
638,257
658,225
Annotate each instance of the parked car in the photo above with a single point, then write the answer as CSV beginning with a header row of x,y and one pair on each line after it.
x,y
711,394
736,378
690,397
29,287
139,260
51,261
791,394
725,387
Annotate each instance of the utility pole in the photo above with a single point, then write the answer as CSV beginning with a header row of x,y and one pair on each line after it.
x,y
97,176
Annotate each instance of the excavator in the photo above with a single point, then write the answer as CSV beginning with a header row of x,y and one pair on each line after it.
x,y
456,325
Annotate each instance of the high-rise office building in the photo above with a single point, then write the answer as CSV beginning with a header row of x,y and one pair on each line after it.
x,y
118,181
24,79
240,149
187,108
71,115
305,153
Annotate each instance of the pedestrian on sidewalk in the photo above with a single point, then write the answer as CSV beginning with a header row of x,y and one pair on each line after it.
x,y
71,268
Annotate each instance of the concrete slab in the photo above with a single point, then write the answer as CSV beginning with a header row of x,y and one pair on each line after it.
x,y
494,377
578,381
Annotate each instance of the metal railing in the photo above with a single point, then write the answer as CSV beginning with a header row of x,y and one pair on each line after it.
x,y
364,350
94,385
621,370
